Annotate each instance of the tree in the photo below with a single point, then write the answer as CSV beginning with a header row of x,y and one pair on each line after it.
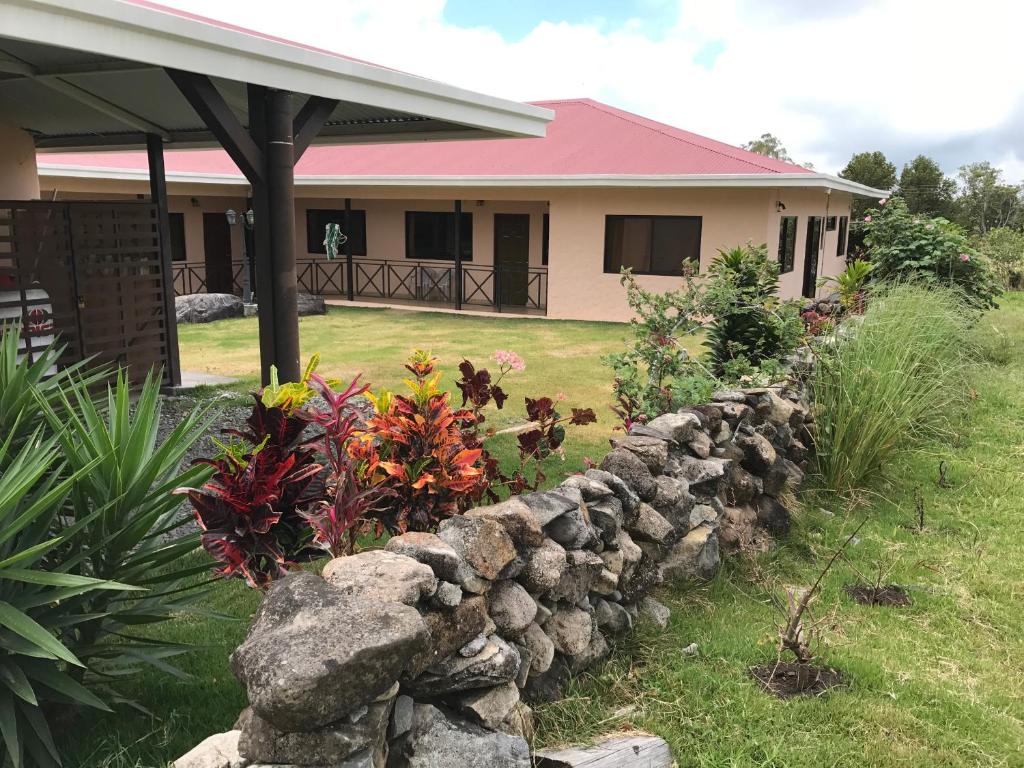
x,y
926,189
769,146
872,169
985,201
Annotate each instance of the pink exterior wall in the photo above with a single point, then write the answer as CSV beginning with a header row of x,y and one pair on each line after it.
x,y
18,176
578,288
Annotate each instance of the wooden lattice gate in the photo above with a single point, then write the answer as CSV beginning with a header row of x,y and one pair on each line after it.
x,y
91,273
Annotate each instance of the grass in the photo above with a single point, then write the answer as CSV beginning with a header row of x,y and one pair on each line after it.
x,y
938,683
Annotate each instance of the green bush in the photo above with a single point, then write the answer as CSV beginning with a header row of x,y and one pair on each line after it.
x,y
749,325
1005,248
88,549
904,246
888,380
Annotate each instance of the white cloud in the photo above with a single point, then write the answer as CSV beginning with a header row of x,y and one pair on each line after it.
x,y
904,76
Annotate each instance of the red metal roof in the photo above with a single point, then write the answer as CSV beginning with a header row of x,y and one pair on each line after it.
x,y
586,138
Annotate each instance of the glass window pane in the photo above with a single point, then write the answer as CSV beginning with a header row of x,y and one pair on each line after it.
x,y
675,240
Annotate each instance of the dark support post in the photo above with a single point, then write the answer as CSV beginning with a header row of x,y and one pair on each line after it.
x,y
458,254
349,271
261,239
158,194
280,175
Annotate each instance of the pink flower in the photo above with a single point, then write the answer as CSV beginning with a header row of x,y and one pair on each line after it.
x,y
867,218
561,397
511,359
964,257
883,201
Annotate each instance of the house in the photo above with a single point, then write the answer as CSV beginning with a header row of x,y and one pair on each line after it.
x,y
546,223
81,75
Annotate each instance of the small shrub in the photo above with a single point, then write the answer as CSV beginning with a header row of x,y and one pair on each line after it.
x,y
889,379
1004,246
905,246
851,283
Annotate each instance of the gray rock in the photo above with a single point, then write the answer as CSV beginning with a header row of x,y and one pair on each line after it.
x,y
490,706
544,567
780,411
474,646
309,304
525,660
542,649
696,556
674,502
655,612
519,722
729,396
677,426
740,486
401,717
612,617
548,505
448,631
261,742
381,576
772,516
607,517
448,595
759,454
441,740
312,656
626,495
633,472
582,569
511,608
723,434
482,543
549,685
606,583
596,650
572,530
782,477
207,307
592,490
651,526
652,451
700,445
736,413
516,518
695,471
217,751
710,416
429,549
570,630
703,514
497,663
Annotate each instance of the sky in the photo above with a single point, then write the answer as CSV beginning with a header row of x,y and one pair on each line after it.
x,y
906,77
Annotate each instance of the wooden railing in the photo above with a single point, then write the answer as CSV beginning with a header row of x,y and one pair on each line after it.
x,y
428,282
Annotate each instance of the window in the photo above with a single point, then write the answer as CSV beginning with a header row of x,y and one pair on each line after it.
x,y
830,224
841,242
651,245
177,222
787,242
545,236
431,235
317,220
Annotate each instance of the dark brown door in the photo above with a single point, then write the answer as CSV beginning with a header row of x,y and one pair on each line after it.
x,y
512,257
217,247
811,251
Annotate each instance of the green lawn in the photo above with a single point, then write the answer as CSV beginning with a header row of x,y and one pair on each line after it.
x,y
939,683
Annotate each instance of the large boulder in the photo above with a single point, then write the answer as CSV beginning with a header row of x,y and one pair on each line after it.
x,y
217,751
381,576
442,740
207,307
364,730
312,656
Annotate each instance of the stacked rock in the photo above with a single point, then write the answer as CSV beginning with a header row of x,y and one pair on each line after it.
x,y
426,653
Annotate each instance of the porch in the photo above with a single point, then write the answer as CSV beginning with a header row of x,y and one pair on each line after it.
x,y
504,288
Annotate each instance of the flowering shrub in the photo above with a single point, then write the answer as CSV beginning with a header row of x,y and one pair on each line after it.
x,y
904,245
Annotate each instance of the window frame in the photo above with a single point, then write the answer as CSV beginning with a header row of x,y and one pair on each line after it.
x,y
830,223
842,244
466,243
679,272
315,241
783,239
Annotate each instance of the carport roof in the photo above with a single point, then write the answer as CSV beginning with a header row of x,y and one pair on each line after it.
x,y
87,74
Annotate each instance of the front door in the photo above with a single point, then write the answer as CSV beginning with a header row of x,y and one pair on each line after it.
x,y
217,247
511,258
811,251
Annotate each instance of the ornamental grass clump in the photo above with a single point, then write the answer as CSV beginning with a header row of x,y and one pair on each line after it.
x,y
889,380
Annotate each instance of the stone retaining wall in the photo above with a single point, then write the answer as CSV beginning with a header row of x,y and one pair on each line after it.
x,y
426,653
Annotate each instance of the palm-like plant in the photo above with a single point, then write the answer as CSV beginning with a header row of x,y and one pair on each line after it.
x,y
850,284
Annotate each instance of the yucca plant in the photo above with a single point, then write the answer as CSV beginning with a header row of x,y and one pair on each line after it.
x,y
40,597
134,534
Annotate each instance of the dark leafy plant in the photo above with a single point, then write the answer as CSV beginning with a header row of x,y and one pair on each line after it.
x,y
749,323
905,246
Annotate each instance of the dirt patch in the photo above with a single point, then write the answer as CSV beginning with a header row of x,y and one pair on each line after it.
x,y
886,594
787,680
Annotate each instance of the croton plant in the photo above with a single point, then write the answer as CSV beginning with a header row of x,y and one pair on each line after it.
x,y
313,469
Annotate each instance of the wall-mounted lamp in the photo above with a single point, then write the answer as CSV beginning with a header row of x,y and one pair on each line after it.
x,y
479,203
194,201
780,206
